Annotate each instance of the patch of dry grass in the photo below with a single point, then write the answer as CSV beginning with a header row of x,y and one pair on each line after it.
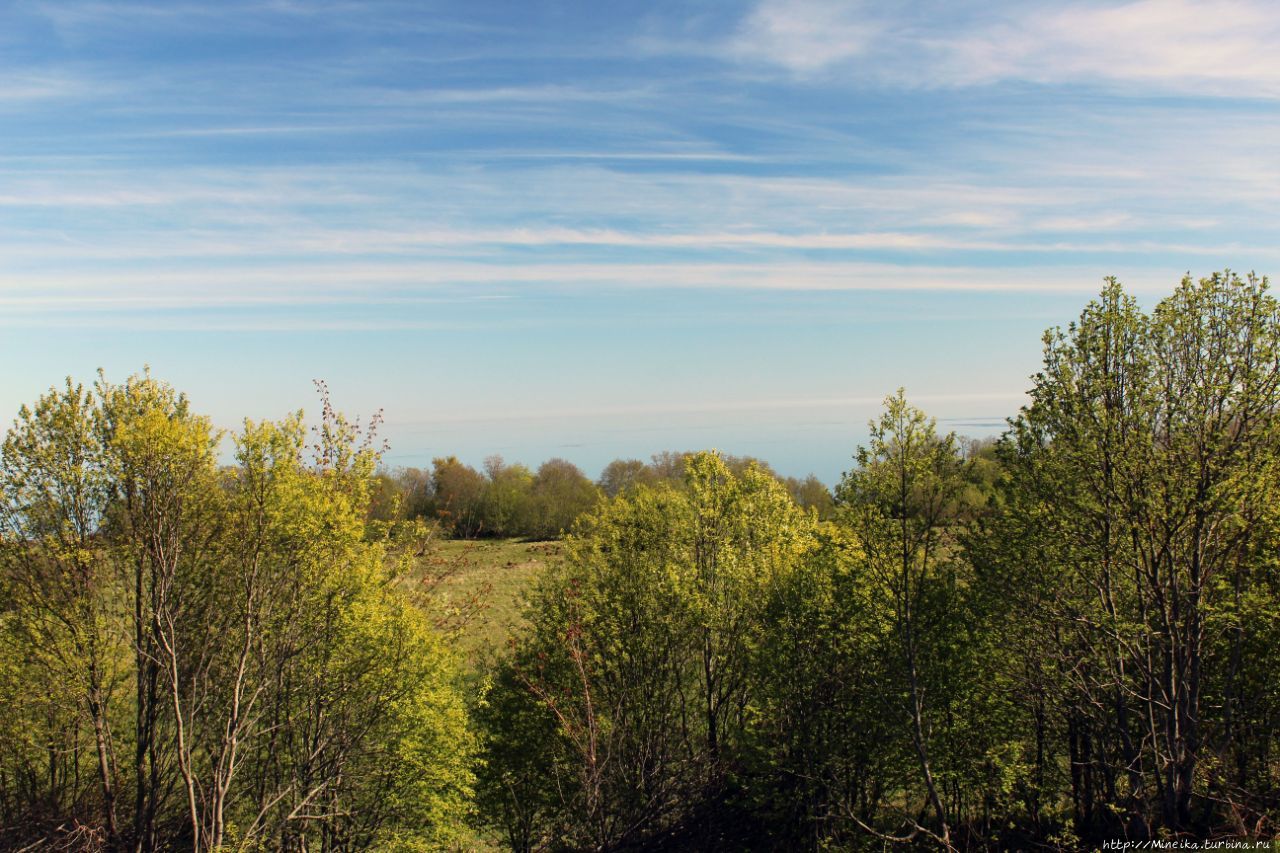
x,y
481,586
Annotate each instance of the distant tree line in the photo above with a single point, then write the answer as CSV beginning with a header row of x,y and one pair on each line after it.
x,y
509,500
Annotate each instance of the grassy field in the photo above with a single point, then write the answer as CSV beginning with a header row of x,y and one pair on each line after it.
x,y
488,580
484,584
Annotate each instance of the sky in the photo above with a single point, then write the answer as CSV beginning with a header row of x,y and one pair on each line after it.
x,y
597,230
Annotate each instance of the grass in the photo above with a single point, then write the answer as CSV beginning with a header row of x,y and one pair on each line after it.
x,y
484,583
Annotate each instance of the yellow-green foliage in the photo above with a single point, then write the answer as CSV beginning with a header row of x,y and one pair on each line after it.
x,y
235,637
628,694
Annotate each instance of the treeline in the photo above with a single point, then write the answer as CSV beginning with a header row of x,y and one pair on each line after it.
x,y
1066,636
1082,647
506,500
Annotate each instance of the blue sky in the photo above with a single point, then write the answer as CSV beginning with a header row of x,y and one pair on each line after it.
x,y
594,230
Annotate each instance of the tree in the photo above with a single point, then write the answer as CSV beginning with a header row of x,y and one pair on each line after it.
x,y
638,658
898,501
623,474
560,492
162,467
1147,458
810,493
284,689
458,489
60,649
507,502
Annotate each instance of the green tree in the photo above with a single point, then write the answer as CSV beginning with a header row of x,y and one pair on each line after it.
x,y
559,493
898,502
810,493
285,691
623,474
62,661
506,504
1142,468
458,491
638,657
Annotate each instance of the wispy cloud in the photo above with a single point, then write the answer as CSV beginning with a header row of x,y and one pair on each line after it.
x,y
540,192
22,88
1214,47
1222,47
805,36
383,286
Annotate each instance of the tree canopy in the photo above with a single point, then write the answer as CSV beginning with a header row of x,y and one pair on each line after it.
x,y
1065,636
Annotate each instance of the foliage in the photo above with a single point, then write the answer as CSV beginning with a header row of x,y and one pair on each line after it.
x,y
203,657
1142,477
508,500
1058,638
637,660
1065,636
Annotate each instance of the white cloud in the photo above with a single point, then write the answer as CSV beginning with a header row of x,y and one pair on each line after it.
x,y
21,89
574,212
1228,47
804,35
1211,47
390,284
491,245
